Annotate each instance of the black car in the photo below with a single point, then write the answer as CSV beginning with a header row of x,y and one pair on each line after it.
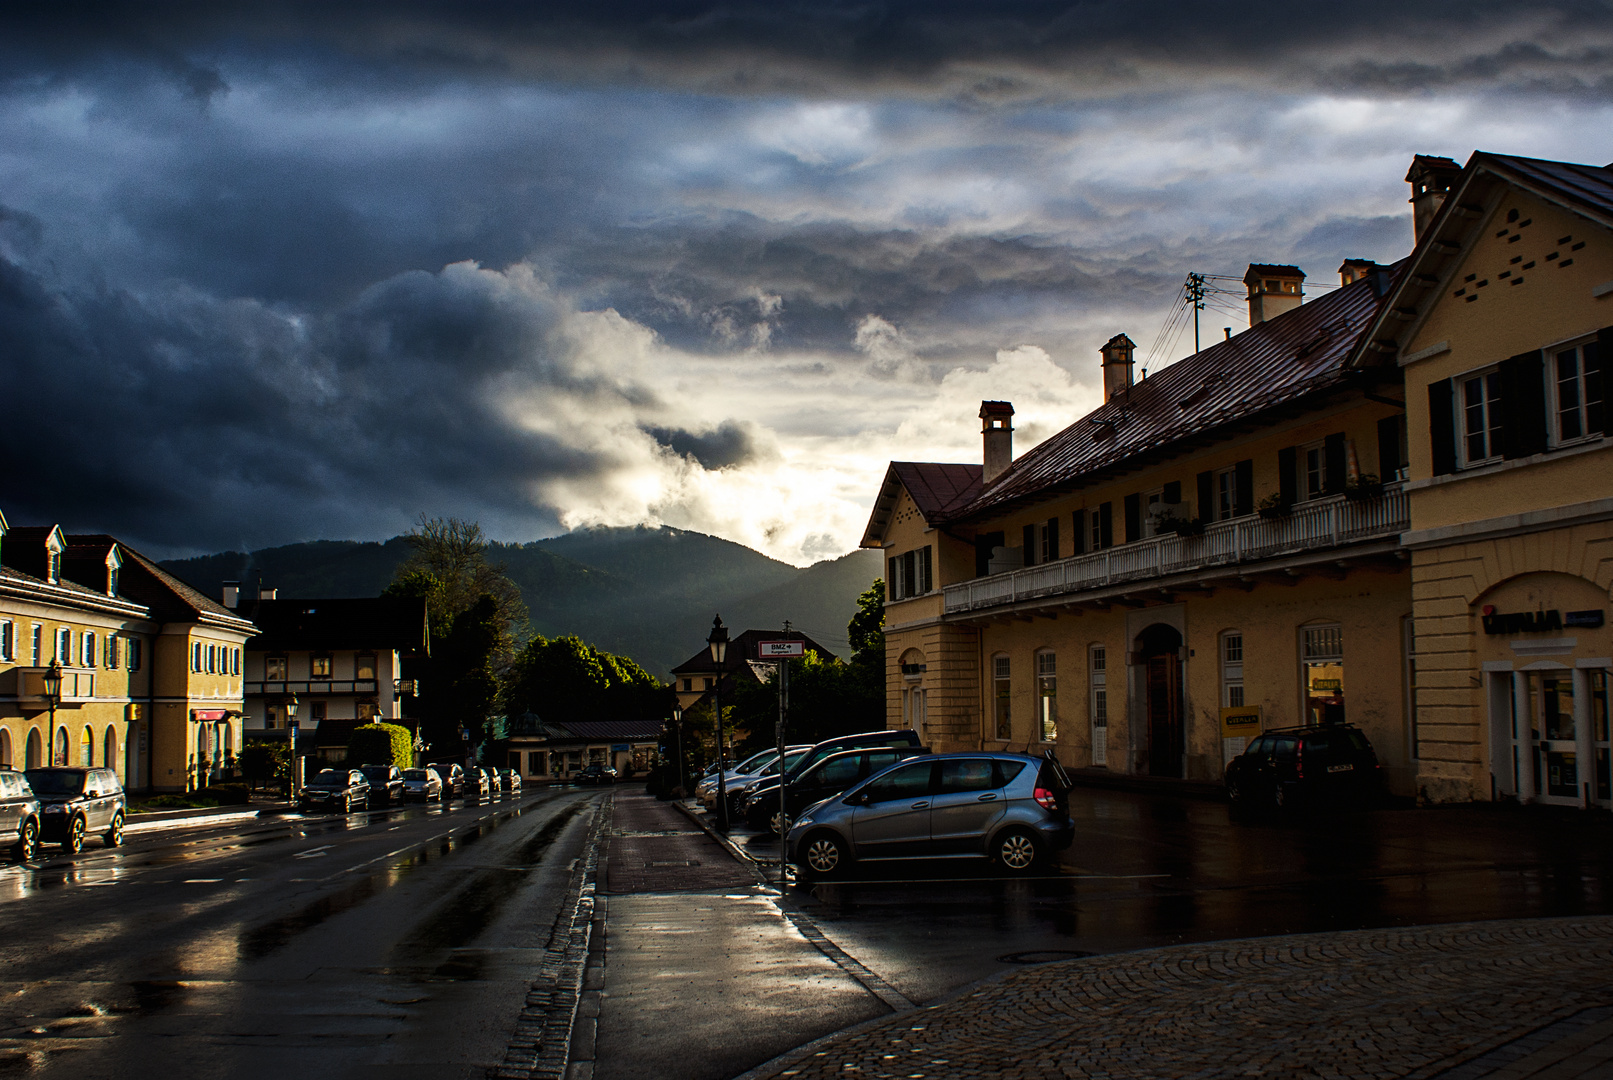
x,y
386,784
19,815
453,780
765,792
1326,764
336,789
829,777
596,775
77,802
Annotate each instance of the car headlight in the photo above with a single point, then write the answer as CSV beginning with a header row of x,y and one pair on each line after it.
x,y
804,820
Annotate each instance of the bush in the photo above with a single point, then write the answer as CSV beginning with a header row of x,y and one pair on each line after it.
x,y
381,744
225,794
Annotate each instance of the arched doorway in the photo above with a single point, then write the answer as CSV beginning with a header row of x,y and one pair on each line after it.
x,y
915,704
5,749
86,748
1159,651
110,757
34,753
60,757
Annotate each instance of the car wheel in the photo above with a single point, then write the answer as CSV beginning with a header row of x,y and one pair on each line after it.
x,y
114,832
1016,851
27,845
75,837
824,855
779,822
347,804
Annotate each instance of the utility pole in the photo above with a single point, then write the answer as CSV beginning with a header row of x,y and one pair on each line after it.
x,y
1195,293
783,713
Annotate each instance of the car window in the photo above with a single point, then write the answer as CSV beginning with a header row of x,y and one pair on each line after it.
x,y
8,786
841,771
1007,770
1357,741
880,760
903,782
968,774
1284,747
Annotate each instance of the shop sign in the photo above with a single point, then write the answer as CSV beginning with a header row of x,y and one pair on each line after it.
x,y
1240,722
1331,685
1537,622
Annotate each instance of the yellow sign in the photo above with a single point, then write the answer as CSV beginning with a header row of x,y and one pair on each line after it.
x,y
137,712
1240,722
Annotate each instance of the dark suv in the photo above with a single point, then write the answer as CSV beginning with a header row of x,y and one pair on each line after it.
x,y
453,780
762,802
19,815
336,789
386,784
77,802
1284,767
829,777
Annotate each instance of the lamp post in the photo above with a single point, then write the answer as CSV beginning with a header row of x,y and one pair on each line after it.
x,y
677,722
291,737
53,697
718,643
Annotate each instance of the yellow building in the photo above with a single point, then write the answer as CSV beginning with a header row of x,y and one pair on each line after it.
x,y
1501,323
150,669
1213,551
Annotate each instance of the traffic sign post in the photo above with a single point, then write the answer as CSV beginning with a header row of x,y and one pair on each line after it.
x,y
781,653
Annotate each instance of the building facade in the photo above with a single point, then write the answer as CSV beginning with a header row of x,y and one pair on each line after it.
x,y
548,751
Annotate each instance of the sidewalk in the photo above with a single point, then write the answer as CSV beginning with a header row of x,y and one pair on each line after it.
x,y
1516,999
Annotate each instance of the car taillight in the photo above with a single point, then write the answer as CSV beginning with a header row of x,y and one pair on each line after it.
x,y
1046,798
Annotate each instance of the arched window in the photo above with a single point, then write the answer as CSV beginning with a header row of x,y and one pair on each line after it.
x,y
111,751
1047,695
5,749
34,751
60,756
86,747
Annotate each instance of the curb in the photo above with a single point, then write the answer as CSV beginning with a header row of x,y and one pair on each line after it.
x,y
155,816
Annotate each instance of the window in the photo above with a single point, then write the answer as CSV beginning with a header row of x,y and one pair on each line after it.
x,y
318,709
64,646
112,581
960,775
1226,495
134,654
1323,671
213,665
1479,408
274,669
688,686
88,654
1047,698
1102,528
319,667
37,651
1232,669
910,574
110,751
708,681
1040,542
53,567
1000,699
1099,707
235,661
364,666
114,658
8,641
196,656
86,748
367,711
1314,460
1576,395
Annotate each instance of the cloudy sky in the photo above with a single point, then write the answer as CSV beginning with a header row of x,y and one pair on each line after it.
x,y
311,270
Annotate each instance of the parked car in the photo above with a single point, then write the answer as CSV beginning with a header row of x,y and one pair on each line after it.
x,y
494,785
706,791
766,791
335,789
596,775
77,802
1004,807
829,777
386,784
1314,766
19,815
512,781
423,785
476,784
453,779
739,783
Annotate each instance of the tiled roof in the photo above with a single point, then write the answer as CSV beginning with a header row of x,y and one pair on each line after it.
x,y
1590,187
1274,269
1293,355
377,622
938,488
743,648
169,597
618,730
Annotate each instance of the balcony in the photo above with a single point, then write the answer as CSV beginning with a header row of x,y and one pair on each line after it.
x,y
78,684
312,686
1319,526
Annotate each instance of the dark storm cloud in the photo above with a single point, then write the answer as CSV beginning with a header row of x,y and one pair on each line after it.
x,y
727,445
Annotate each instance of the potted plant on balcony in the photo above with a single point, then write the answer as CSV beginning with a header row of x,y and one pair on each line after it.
x,y
1179,526
1364,487
1273,507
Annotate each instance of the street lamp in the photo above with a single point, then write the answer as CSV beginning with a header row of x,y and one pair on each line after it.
x,y
291,737
717,641
677,723
53,697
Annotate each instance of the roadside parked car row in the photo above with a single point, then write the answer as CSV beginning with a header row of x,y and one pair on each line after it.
x,y
60,806
373,787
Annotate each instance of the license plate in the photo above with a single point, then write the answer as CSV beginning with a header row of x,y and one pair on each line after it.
x,y
1340,768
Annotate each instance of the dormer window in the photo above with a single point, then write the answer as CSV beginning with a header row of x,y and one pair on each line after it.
x,y
53,567
112,581
114,563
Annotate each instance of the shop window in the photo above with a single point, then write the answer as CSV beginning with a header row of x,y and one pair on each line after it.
x,y
1479,409
319,667
1047,697
1323,660
364,666
274,668
1099,706
1001,714
1576,396
1232,669
86,749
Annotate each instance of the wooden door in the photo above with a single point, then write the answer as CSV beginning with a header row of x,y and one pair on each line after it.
x,y
1164,716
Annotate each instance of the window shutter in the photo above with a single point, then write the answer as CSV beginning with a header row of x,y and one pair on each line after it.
x,y
926,570
1106,524
1523,405
1028,534
1134,518
1388,447
1078,524
890,579
910,575
1206,505
1333,452
1288,475
1244,476
1595,388
1052,539
1442,427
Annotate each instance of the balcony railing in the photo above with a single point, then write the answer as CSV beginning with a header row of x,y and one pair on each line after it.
x,y
313,686
1327,523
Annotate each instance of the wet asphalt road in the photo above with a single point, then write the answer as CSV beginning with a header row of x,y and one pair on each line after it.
x,y
397,943
1149,870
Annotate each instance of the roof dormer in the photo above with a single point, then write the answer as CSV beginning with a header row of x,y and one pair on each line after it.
x,y
55,544
114,562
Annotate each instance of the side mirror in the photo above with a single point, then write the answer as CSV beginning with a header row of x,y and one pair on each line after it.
x,y
859,798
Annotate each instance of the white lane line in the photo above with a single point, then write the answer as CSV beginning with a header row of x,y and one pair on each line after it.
x,y
314,853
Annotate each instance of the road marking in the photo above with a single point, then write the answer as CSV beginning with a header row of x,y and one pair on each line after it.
x,y
314,853
202,881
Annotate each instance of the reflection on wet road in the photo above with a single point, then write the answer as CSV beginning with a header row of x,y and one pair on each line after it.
x,y
1157,870
335,945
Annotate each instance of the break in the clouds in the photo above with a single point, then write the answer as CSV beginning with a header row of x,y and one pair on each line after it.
x,y
289,271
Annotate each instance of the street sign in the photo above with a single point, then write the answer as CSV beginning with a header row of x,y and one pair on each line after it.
x,y
780,650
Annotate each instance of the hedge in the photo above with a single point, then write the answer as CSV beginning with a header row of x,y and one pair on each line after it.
x,y
381,744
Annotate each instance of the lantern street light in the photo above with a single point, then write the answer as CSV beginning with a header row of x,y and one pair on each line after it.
x,y
718,643
677,722
53,697
291,737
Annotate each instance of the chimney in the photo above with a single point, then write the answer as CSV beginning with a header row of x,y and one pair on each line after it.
x,y
1430,179
232,594
1353,270
1273,289
997,432
266,594
1116,365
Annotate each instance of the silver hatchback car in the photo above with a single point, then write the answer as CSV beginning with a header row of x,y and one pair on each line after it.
x,y
1009,808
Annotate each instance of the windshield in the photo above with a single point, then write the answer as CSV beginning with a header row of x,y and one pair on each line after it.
x,y
755,761
329,778
51,782
377,772
790,758
415,774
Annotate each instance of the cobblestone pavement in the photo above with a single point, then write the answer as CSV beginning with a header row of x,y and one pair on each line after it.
x,y
1518,998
